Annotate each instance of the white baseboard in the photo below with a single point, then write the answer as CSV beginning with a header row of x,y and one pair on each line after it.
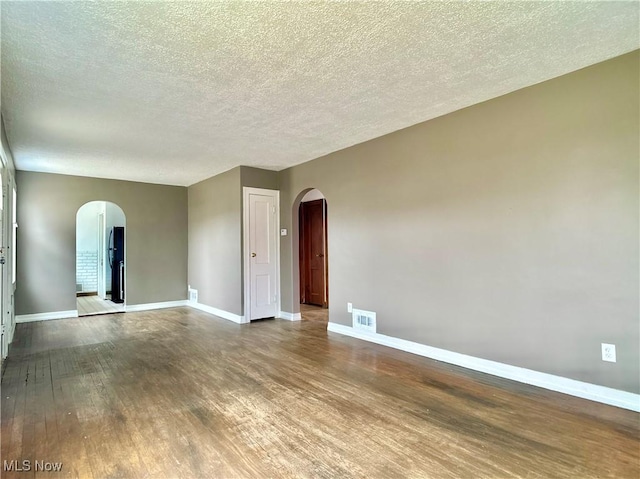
x,y
593,392
131,308
218,312
290,316
12,331
28,318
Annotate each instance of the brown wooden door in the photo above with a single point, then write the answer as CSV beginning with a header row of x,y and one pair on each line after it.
x,y
313,253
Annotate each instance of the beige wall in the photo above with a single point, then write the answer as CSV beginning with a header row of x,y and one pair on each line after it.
x,y
215,236
215,241
258,178
506,231
156,235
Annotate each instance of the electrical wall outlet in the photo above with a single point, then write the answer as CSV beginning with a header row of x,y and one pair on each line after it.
x,y
349,308
609,352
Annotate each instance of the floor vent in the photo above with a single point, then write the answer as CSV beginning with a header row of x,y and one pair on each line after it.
x,y
364,320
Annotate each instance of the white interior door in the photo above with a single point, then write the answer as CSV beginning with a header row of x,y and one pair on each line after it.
x,y
4,318
261,253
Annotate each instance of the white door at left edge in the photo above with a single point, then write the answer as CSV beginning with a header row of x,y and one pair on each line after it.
x,y
262,256
4,323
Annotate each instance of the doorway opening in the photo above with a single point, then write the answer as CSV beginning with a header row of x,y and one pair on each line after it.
x,y
100,258
313,256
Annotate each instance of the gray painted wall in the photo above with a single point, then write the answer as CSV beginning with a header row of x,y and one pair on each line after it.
x,y
215,235
506,231
156,239
215,241
258,178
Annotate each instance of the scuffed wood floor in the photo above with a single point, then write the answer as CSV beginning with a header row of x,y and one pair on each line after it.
x,y
92,305
180,393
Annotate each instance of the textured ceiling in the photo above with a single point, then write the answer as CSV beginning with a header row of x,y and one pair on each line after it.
x,y
177,92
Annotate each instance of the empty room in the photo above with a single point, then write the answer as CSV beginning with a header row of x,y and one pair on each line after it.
x,y
320,239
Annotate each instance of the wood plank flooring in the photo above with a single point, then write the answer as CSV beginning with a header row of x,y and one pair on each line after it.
x,y
180,393
90,305
314,313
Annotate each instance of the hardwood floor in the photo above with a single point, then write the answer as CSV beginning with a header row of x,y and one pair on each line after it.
x,y
314,313
180,393
90,305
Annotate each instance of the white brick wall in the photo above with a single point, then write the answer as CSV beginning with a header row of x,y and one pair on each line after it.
x,y
87,270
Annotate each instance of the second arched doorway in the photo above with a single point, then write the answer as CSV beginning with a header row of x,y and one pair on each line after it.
x,y
100,258
313,250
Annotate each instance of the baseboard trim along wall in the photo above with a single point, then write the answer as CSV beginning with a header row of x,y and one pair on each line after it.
x,y
217,312
12,332
290,316
132,308
28,318
593,392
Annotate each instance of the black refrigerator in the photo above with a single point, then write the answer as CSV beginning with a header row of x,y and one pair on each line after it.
x,y
116,261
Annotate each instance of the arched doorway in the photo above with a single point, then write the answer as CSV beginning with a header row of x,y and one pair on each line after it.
x,y
313,255
100,258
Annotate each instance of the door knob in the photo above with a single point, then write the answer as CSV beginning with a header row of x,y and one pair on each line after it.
x,y
253,255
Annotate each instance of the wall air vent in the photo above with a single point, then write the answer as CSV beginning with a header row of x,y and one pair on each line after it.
x,y
364,320
193,295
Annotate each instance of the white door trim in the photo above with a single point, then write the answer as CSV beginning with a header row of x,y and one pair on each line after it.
x,y
246,192
101,253
4,320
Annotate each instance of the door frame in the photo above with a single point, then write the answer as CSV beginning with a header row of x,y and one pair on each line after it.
x,y
5,320
246,192
8,242
8,227
102,267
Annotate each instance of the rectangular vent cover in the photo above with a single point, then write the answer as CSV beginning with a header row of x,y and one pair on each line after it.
x,y
364,320
193,295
